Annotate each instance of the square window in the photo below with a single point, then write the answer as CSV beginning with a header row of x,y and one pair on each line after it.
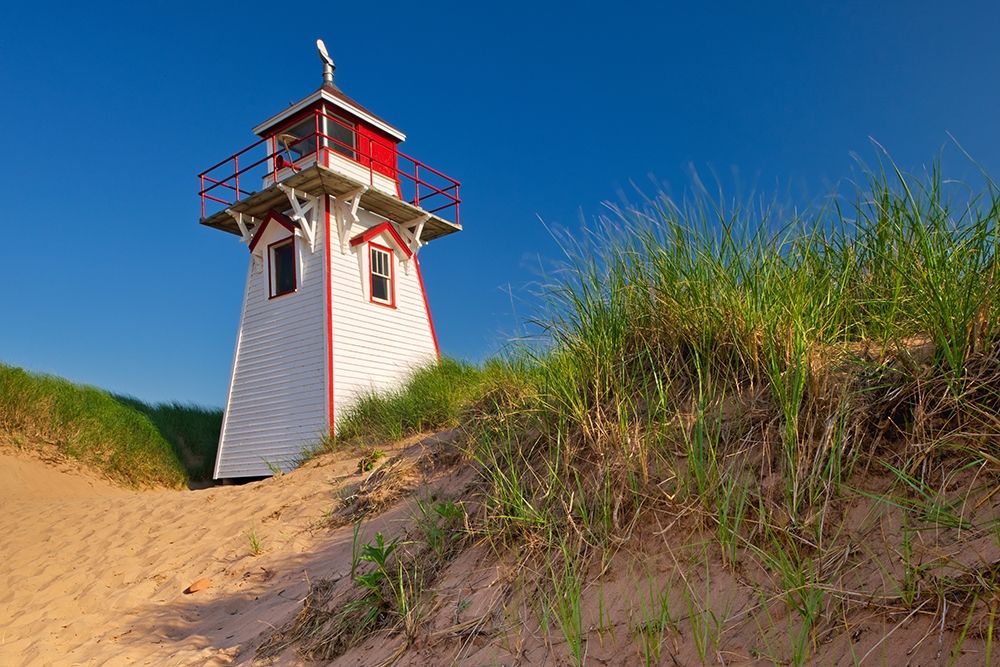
x,y
380,269
281,256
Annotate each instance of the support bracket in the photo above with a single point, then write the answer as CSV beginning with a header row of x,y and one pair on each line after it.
x,y
411,232
345,214
305,211
246,233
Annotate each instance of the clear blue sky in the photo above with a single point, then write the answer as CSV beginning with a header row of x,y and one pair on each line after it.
x,y
541,111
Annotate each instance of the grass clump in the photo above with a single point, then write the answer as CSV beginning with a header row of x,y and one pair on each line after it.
x,y
131,442
371,458
431,398
387,590
734,372
705,359
192,431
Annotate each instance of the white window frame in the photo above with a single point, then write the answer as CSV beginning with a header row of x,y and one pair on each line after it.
x,y
389,275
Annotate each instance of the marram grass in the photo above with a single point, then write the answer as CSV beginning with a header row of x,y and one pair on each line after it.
x,y
751,369
131,442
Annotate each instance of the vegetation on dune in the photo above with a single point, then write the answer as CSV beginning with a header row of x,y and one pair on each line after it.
x,y
191,430
432,398
751,378
129,441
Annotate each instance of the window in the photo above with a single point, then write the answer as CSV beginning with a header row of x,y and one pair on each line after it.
x,y
299,141
341,134
281,257
380,268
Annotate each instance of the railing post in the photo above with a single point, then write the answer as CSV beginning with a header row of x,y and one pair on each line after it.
x,y
202,178
316,134
416,184
458,200
236,173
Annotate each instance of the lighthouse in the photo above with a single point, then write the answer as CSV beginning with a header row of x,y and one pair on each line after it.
x,y
333,216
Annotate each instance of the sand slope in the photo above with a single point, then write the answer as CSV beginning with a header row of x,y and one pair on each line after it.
x,y
91,574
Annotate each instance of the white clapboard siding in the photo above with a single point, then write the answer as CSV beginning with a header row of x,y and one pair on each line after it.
x,y
277,400
374,347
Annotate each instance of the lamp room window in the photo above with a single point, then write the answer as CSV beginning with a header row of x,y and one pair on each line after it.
x,y
297,142
281,259
339,134
380,266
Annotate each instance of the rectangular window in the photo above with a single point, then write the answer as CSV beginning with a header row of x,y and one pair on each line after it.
x,y
340,133
281,257
298,142
380,267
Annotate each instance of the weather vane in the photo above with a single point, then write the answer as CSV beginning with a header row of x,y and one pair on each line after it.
x,y
328,65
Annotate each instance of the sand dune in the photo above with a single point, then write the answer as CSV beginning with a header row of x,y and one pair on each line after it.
x,y
91,574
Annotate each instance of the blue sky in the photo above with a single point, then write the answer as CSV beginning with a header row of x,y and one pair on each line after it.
x,y
543,111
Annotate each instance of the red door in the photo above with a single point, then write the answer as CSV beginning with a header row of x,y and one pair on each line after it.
x,y
377,151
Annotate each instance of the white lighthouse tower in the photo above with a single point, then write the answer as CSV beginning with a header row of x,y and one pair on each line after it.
x,y
333,215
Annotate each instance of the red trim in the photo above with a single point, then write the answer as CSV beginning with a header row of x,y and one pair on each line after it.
x,y
417,183
392,276
280,218
385,227
329,324
427,307
295,272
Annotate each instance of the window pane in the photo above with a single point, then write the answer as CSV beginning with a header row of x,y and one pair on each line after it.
x,y
299,140
380,288
341,137
380,263
283,268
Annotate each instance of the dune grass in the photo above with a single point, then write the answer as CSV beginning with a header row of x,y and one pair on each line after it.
x,y
192,431
755,370
432,397
131,442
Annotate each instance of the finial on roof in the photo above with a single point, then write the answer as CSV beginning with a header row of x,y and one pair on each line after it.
x,y
328,65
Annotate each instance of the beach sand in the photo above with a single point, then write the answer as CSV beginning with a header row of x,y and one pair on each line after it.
x,y
93,574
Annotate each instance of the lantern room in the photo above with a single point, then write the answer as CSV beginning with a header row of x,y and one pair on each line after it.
x,y
329,128
326,144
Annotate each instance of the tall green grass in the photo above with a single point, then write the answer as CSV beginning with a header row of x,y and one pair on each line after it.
x,y
741,364
131,442
432,397
191,430
673,321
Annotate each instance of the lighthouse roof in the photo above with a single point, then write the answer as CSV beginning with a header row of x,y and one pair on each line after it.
x,y
335,96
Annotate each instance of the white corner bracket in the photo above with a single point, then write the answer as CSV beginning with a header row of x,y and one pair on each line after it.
x,y
305,212
411,232
345,214
246,233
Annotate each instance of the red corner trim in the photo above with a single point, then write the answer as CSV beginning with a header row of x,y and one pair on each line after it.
x,y
280,218
329,325
385,227
427,308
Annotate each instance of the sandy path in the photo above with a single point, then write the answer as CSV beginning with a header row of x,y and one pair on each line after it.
x,y
92,574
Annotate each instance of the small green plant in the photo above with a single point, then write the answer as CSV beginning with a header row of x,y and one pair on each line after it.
x,y
388,587
440,523
369,460
656,621
254,542
355,548
274,468
567,584
911,572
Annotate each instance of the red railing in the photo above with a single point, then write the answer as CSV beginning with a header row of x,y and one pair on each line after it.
x,y
273,159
